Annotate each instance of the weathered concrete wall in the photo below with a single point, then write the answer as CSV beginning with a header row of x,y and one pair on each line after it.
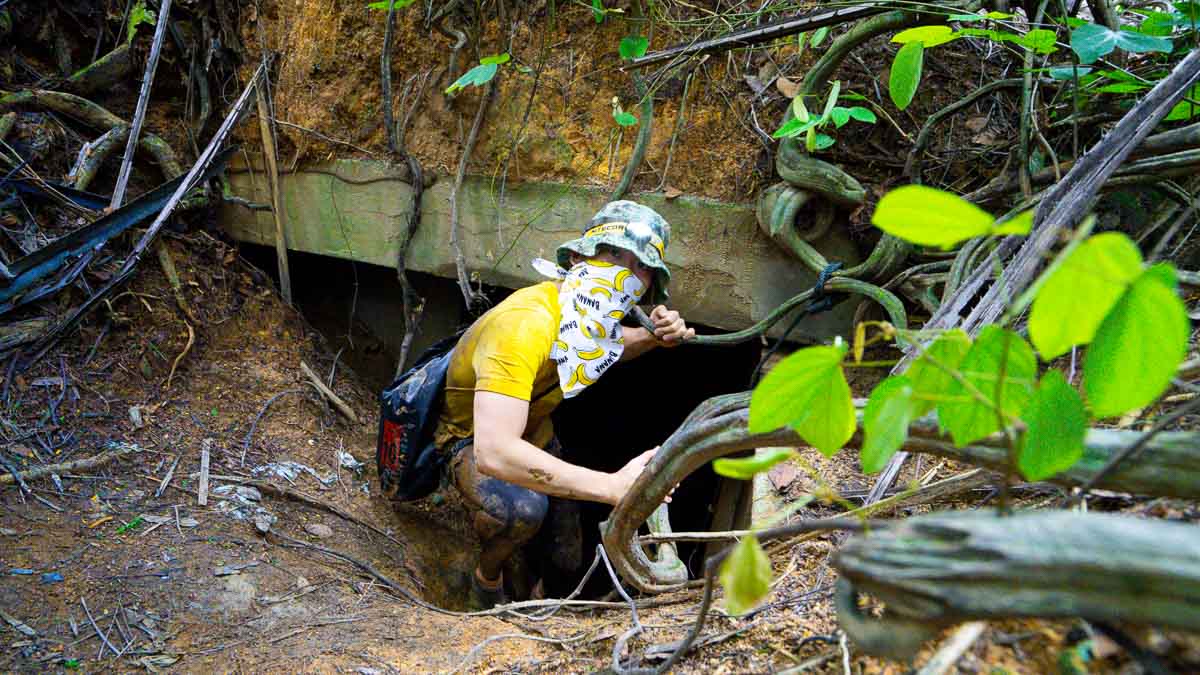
x,y
726,273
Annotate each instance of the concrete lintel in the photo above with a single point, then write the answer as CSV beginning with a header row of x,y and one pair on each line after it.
x,y
726,272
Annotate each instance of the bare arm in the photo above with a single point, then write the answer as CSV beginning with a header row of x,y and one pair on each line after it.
x,y
500,452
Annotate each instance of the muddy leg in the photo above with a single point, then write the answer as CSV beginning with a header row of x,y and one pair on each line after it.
x,y
506,515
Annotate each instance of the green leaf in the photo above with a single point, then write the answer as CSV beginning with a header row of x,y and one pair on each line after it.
x,y
1121,88
479,75
745,576
1093,41
840,116
1040,40
497,59
1186,110
1056,425
930,36
831,100
1067,72
137,16
1020,224
633,46
1138,346
823,141
819,36
598,11
383,4
966,18
800,39
807,391
906,74
929,382
862,114
1159,24
1080,291
744,468
930,217
853,96
625,119
794,127
799,110
885,422
966,417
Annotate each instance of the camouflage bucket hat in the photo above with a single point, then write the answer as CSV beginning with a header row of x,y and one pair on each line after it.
x,y
630,226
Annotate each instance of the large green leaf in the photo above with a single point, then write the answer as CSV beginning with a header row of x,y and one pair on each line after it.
x,y
930,36
929,382
1138,346
808,392
633,46
1080,291
964,415
1056,424
1092,41
930,217
479,75
1039,40
383,4
744,468
862,114
906,74
745,576
885,422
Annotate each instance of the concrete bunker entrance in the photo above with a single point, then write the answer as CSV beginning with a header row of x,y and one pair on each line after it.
x,y
356,307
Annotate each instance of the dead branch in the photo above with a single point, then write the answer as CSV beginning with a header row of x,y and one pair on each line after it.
x,y
86,464
333,398
271,159
187,348
757,35
969,565
139,115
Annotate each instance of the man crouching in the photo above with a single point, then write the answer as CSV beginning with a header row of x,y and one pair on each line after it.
x,y
518,361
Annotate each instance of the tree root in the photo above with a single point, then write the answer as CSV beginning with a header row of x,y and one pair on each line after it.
x,y
1169,466
93,154
912,165
643,139
472,299
93,116
107,71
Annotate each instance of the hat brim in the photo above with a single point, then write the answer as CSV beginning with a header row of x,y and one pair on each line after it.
x,y
648,255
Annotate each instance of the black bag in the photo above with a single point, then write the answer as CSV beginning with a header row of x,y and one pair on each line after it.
x,y
410,465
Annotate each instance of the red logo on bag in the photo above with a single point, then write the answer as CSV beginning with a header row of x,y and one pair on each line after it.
x,y
390,446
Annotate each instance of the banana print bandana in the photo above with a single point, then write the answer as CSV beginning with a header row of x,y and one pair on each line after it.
x,y
593,298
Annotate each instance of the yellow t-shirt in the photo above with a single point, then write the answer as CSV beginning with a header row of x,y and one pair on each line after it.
x,y
507,351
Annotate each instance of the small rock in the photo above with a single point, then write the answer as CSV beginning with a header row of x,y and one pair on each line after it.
x,y
263,520
135,416
7,532
789,88
319,530
301,582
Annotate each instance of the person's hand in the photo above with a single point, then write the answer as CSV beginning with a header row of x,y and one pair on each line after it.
x,y
623,479
669,327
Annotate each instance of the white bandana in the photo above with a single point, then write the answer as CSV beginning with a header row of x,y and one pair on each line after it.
x,y
593,298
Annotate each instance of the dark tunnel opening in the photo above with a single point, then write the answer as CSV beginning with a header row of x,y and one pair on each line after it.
x,y
643,401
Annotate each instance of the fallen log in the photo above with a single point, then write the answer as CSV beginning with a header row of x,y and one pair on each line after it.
x,y
1169,466
940,569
